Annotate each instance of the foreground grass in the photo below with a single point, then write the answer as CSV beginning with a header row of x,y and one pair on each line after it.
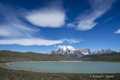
x,y
7,74
11,56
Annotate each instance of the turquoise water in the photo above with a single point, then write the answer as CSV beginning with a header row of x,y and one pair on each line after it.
x,y
70,67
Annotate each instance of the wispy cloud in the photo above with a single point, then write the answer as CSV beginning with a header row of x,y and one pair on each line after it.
x,y
12,26
86,21
53,17
71,25
108,19
35,41
32,41
118,31
72,41
16,31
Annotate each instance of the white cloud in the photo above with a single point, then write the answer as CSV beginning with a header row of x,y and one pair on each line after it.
x,y
47,17
71,25
12,26
15,31
28,42
86,25
108,19
71,41
98,8
118,31
35,41
63,46
4,32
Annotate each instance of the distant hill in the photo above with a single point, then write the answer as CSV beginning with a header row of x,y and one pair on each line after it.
x,y
107,58
12,56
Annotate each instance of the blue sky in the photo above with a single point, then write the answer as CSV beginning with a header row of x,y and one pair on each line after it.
x,y
43,25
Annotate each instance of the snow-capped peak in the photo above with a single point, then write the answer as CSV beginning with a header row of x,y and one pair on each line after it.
x,y
118,51
66,47
70,47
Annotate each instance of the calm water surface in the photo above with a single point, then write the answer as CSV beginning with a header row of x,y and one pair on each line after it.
x,y
70,67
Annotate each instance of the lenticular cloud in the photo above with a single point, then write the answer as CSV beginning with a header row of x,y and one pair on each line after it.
x,y
48,17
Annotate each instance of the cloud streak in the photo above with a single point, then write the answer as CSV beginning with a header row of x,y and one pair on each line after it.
x,y
35,41
86,21
32,41
70,41
12,26
117,32
15,31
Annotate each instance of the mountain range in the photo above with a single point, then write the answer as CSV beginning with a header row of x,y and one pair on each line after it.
x,y
70,51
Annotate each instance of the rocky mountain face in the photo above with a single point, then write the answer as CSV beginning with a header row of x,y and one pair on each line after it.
x,y
70,51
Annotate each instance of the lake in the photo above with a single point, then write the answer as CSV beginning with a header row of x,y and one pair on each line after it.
x,y
69,66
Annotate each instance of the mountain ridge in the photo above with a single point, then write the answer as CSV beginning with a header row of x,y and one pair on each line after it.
x,y
70,51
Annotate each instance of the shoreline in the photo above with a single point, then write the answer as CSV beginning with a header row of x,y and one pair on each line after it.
x,y
16,68
61,61
8,66
19,68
